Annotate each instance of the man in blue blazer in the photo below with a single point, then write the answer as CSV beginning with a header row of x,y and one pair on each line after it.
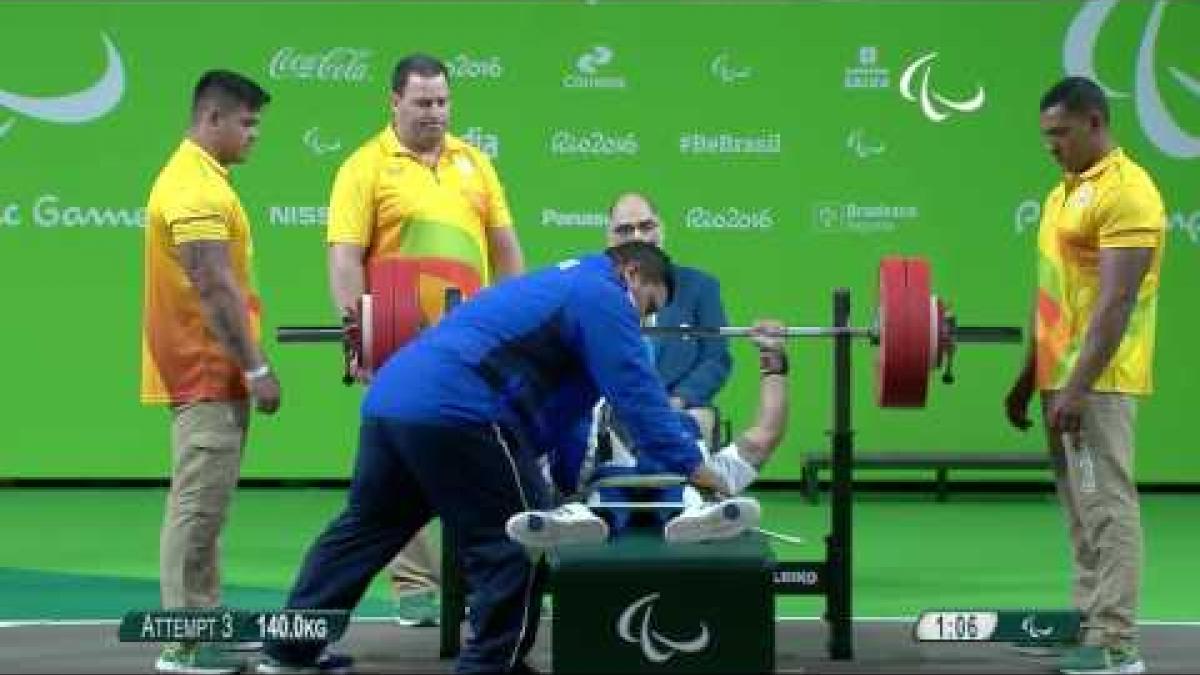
x,y
692,370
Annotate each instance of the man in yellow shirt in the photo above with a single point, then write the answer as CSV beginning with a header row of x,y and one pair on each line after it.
x,y
415,190
200,344
1100,249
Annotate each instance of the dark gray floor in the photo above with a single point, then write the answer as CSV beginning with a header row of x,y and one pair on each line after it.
x,y
880,647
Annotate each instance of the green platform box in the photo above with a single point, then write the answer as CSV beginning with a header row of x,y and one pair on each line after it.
x,y
638,605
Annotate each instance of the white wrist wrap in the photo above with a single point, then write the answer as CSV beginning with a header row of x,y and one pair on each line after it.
x,y
737,473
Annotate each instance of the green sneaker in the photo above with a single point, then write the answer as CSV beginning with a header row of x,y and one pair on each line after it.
x,y
1089,659
422,609
198,658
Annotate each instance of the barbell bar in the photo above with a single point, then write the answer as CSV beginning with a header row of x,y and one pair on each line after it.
x,y
695,332
962,334
287,334
913,329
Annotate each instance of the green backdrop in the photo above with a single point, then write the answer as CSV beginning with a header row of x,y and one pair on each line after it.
x,y
778,139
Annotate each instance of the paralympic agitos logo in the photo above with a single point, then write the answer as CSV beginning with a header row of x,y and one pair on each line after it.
x,y
82,106
1157,122
656,647
935,106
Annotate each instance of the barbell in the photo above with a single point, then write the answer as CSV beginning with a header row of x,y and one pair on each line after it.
x,y
914,330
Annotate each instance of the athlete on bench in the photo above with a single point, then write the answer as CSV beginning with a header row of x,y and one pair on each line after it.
x,y
599,466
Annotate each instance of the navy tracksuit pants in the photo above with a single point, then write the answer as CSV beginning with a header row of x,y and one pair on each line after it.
x,y
404,475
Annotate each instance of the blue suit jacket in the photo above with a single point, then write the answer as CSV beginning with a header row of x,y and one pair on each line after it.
x,y
694,370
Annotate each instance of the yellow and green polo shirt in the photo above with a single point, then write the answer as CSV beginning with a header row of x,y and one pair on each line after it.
x,y
387,200
1114,204
182,361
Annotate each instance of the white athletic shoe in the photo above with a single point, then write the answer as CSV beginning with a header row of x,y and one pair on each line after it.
x,y
568,524
709,522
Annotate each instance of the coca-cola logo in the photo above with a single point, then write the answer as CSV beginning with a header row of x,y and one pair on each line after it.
x,y
339,64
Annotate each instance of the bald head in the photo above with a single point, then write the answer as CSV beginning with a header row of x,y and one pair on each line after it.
x,y
634,218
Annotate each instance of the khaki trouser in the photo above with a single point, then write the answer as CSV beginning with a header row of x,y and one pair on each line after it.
x,y
207,439
419,566
1095,484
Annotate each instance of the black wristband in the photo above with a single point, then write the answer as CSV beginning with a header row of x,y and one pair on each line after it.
x,y
772,362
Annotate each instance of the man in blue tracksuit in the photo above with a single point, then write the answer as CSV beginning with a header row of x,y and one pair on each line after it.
x,y
454,423
601,451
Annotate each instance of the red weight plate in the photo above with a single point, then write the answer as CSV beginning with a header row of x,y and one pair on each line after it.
x,y
406,304
891,276
905,318
395,313
920,294
379,284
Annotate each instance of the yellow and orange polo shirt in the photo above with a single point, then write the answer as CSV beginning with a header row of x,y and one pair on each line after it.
x,y
182,361
1114,204
387,200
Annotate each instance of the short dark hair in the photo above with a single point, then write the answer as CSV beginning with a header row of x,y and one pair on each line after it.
x,y
416,64
1077,95
653,263
227,89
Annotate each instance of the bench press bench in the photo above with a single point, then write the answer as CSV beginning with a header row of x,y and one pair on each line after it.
x,y
637,604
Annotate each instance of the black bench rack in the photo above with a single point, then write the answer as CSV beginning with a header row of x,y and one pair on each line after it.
x,y
940,462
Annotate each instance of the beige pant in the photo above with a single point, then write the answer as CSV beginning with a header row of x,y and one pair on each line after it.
x,y
419,566
207,439
1095,483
